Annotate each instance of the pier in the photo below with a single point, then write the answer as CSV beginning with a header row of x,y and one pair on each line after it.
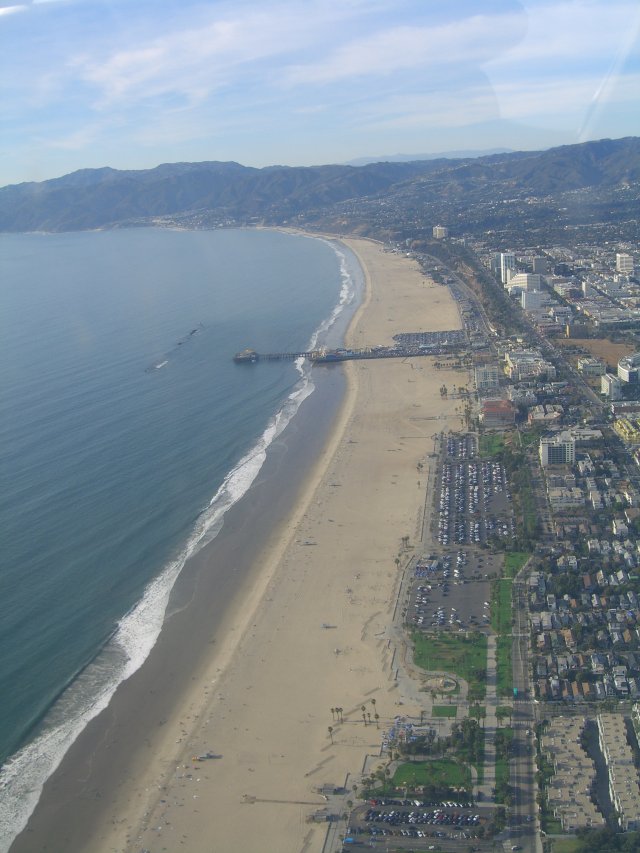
x,y
408,345
249,356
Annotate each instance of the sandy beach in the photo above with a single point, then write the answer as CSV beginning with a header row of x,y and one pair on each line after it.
x,y
258,692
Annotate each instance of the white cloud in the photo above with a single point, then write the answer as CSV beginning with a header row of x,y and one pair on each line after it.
x,y
430,111
203,57
577,30
534,102
78,140
403,48
11,10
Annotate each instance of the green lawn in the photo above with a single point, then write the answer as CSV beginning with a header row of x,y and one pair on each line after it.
x,y
501,606
504,669
566,845
504,738
442,773
551,825
530,437
513,562
490,445
444,711
465,656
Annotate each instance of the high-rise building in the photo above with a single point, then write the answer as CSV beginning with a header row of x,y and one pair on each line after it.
x,y
440,232
629,368
611,386
525,281
532,299
541,265
507,266
624,263
558,449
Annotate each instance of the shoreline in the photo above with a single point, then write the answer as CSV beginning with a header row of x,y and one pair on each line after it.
x,y
176,704
313,418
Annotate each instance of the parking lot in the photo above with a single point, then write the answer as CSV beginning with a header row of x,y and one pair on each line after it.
x,y
451,591
447,824
473,499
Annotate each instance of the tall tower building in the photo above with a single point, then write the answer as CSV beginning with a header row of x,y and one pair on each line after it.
x,y
540,265
507,263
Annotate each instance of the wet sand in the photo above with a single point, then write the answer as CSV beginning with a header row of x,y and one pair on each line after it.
x,y
244,667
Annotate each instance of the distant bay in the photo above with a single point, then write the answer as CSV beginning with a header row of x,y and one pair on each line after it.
x,y
126,431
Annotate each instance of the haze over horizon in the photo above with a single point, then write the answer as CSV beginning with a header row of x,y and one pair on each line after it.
x,y
304,82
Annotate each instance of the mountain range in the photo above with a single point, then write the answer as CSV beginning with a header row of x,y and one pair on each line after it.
x,y
214,192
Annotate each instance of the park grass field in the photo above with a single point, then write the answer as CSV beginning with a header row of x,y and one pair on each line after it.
x,y
442,773
504,673
513,562
501,613
566,845
491,444
444,710
464,656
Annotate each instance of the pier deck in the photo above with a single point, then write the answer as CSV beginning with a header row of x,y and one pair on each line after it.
x,y
408,346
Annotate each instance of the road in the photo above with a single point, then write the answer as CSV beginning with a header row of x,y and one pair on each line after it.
x,y
523,815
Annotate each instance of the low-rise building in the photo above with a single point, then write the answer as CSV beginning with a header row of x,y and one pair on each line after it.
x,y
623,776
569,790
628,428
591,366
498,414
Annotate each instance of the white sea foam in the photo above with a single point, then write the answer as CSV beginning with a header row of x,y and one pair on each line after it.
x,y
23,776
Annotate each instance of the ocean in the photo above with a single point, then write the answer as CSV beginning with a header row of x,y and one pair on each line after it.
x,y
126,433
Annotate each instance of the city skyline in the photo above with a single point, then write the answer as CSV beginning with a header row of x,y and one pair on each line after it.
x,y
90,84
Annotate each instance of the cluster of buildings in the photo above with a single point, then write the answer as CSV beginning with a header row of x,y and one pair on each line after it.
x,y
529,374
570,791
585,626
556,292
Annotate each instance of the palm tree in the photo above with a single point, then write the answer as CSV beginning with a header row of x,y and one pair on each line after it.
x,y
377,717
333,713
330,729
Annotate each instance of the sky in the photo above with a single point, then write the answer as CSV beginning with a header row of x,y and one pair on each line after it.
x,y
134,83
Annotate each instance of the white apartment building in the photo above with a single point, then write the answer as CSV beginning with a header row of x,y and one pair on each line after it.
x,y
507,266
624,263
558,449
487,377
623,776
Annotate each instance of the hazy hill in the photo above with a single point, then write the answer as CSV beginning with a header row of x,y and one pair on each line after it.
x,y
93,198
410,158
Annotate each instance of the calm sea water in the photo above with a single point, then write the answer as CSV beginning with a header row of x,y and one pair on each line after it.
x,y
126,431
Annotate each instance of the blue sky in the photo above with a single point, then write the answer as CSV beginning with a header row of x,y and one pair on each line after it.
x,y
135,83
